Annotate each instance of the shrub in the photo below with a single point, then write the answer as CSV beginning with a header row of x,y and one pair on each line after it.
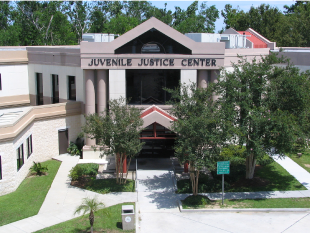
x,y
80,170
73,149
38,168
234,154
196,201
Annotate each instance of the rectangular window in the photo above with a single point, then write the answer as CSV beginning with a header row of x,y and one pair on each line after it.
x,y
29,146
145,87
55,88
39,82
20,156
72,88
0,169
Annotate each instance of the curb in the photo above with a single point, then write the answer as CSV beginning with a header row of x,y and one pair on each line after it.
x,y
179,203
137,212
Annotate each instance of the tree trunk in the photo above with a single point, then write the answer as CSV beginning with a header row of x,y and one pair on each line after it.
x,y
128,164
194,175
91,221
250,166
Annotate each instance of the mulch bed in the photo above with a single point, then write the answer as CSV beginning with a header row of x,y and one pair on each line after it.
x,y
81,183
255,182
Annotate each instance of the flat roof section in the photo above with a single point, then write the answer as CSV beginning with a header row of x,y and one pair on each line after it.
x,y
12,115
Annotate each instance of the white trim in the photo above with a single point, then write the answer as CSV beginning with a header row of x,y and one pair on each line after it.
x,y
23,142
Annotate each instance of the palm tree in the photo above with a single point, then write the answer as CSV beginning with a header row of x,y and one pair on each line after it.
x,y
91,206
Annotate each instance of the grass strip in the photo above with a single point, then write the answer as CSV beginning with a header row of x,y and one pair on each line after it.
x,y
303,161
249,203
104,186
26,201
106,220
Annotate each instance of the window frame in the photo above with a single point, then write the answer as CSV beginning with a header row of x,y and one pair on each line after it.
x,y
70,91
29,146
55,83
0,169
0,83
39,84
20,156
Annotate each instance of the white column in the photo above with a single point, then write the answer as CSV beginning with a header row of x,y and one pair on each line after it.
x,y
117,84
188,76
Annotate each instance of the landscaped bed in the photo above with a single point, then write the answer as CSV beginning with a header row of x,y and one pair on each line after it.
x,y
106,220
202,202
26,201
103,186
271,177
84,176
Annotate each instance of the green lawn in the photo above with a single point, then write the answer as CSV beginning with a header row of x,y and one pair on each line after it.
x,y
304,160
104,186
106,220
26,201
256,203
271,177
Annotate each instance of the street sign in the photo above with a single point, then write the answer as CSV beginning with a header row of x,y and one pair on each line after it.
x,y
223,167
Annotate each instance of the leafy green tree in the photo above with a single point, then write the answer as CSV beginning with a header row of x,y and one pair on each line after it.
x,y
163,15
121,24
266,105
291,9
199,139
195,19
234,18
138,10
117,131
41,23
79,15
91,206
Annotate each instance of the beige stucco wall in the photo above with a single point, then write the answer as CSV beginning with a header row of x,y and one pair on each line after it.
x,y
45,146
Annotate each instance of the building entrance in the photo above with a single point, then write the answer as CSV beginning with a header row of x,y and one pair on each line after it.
x,y
158,142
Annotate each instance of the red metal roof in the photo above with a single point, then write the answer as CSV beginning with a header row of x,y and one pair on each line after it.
x,y
155,108
257,43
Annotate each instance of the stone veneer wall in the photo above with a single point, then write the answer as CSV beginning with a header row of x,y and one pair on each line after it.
x,y
45,146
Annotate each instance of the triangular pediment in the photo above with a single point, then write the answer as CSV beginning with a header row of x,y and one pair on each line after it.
x,y
155,114
158,25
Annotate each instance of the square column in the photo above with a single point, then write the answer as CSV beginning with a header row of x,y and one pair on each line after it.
x,y
117,84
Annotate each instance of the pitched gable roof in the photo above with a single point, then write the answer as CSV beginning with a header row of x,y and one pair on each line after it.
x,y
155,114
158,25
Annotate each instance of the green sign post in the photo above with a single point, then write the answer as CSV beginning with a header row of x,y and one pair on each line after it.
x,y
223,168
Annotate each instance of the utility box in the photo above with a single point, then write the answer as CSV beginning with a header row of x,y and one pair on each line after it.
x,y
128,217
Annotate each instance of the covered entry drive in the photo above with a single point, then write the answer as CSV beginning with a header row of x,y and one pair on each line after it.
x,y
158,142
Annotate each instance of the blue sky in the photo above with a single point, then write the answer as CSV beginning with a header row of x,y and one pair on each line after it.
x,y
243,5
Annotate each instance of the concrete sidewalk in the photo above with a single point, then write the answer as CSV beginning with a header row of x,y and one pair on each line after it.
x,y
62,200
155,186
294,169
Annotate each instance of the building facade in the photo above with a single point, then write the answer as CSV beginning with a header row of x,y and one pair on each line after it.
x,y
46,90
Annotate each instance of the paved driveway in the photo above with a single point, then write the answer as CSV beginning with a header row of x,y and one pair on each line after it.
x,y
274,222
